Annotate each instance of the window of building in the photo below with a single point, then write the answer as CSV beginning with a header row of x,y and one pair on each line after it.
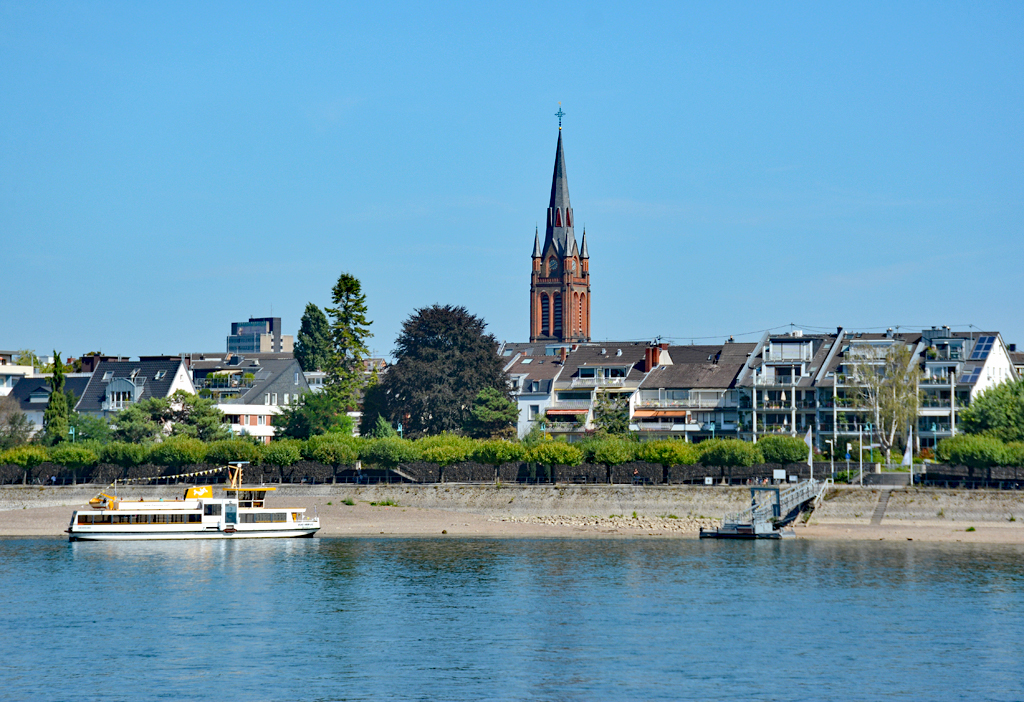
x,y
159,375
273,398
266,399
558,315
534,411
261,420
285,398
588,372
296,377
545,316
295,398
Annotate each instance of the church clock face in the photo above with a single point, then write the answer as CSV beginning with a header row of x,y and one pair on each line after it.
x,y
553,265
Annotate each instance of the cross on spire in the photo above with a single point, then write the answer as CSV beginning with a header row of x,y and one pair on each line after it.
x,y
559,115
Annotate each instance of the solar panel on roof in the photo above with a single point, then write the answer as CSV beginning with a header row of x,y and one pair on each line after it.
x,y
982,348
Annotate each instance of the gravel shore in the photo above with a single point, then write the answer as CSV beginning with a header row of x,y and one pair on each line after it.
x,y
571,511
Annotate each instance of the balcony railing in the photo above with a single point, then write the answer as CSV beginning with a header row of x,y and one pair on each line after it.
x,y
598,382
686,404
571,404
935,380
223,383
563,427
776,355
779,380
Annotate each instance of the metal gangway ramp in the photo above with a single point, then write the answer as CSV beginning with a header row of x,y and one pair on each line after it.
x,y
771,508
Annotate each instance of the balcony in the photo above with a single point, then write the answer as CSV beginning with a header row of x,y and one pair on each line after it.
x,y
224,383
582,405
598,382
777,356
777,380
563,427
935,380
685,404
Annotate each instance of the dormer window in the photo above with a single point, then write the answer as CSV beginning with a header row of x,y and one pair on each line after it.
x,y
107,375
159,375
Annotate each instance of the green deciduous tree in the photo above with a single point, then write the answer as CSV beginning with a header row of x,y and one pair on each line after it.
x,y
315,413
55,417
888,384
197,417
27,357
443,360
349,331
88,427
782,449
313,343
611,413
493,415
497,452
729,452
668,453
972,451
998,412
15,426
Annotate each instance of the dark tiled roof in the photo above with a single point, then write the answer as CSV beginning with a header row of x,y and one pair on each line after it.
x,y
95,392
700,367
605,354
26,387
265,371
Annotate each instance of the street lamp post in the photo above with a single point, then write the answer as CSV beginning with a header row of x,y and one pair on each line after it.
x,y
831,458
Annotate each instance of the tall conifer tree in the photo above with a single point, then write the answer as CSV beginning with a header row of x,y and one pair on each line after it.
x,y
349,331
313,345
55,417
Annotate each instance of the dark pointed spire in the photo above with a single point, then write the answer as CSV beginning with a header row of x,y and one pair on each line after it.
x,y
583,249
536,243
559,230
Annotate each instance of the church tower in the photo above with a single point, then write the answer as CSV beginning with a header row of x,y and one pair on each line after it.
x,y
560,280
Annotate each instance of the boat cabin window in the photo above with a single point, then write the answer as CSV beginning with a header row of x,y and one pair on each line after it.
x,y
211,510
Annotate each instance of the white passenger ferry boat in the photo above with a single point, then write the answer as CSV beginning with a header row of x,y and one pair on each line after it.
x,y
241,514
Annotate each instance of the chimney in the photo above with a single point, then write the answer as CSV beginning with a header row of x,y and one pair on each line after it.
x,y
663,346
1013,348
648,359
562,353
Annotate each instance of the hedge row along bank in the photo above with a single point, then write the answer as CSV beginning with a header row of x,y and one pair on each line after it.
x,y
453,458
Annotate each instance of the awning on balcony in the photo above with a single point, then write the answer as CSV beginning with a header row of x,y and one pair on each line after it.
x,y
572,412
660,413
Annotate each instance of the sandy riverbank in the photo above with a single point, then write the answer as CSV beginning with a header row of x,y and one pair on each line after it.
x,y
573,511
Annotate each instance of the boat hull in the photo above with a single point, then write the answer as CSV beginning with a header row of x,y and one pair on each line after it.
x,y
179,535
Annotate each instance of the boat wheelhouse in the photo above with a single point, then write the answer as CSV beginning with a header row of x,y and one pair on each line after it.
x,y
241,514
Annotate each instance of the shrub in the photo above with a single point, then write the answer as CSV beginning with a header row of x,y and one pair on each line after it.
x,y
332,449
124,454
782,449
72,456
27,456
971,450
389,451
668,453
228,450
281,453
613,452
556,453
178,451
498,451
445,449
729,452
1013,454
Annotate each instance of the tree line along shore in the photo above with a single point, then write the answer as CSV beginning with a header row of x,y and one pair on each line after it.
x,y
335,457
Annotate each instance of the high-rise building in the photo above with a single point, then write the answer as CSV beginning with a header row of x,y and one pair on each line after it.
x,y
560,280
259,335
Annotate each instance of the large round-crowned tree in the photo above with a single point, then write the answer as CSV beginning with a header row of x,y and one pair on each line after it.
x,y
443,360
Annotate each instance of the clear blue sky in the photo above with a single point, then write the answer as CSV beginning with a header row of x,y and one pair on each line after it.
x,y
166,169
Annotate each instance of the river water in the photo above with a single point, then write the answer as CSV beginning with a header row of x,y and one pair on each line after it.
x,y
510,619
